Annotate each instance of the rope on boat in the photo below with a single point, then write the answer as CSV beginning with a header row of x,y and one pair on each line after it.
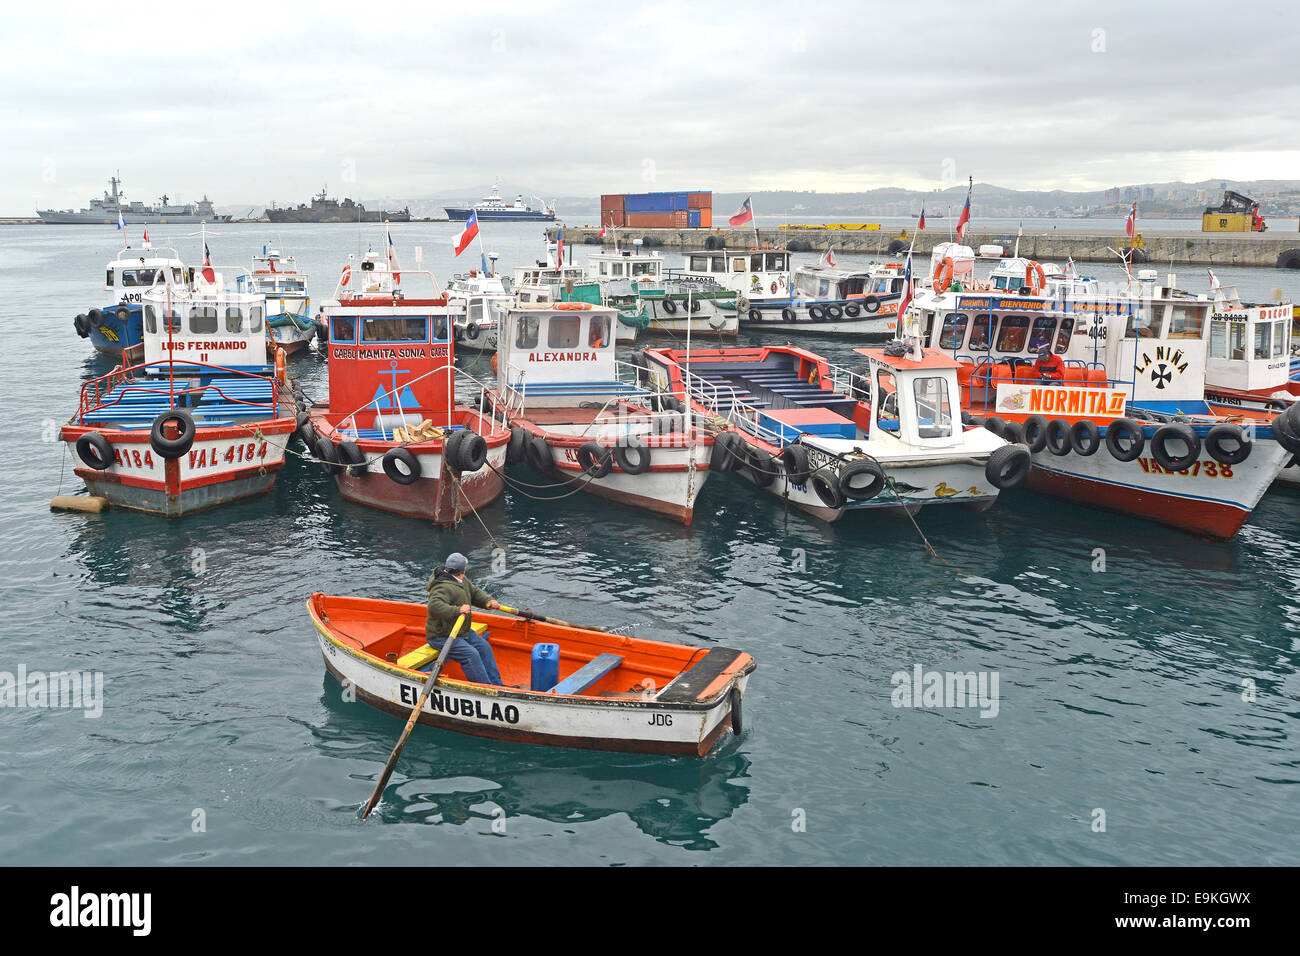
x,y
461,491
586,479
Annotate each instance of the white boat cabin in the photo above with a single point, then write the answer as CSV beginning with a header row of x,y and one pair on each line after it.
x,y
916,403
205,323
1249,344
546,283
625,266
822,284
757,274
277,276
557,355
134,272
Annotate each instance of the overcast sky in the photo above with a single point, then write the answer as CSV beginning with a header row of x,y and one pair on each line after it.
x,y
254,102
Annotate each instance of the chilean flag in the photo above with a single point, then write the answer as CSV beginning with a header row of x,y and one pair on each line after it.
x,y
121,223
146,232
1131,225
744,214
392,257
964,217
907,290
460,242
559,248
208,274
920,223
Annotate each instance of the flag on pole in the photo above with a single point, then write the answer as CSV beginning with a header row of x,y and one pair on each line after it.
x,y
920,223
1214,280
1020,231
603,230
744,214
121,223
392,256
559,248
907,291
829,258
1130,226
146,233
964,218
208,274
460,242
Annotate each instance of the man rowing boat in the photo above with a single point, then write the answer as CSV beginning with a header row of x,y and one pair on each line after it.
x,y
451,594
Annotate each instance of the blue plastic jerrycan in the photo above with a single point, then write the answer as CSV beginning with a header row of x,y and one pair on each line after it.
x,y
546,666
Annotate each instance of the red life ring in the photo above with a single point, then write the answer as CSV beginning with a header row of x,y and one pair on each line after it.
x,y
1033,271
943,273
347,276
281,373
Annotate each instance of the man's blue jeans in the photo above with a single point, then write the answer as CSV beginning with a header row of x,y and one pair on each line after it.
x,y
474,654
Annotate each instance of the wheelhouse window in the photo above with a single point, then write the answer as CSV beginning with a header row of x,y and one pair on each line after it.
x,y
645,268
343,328
1063,335
617,269
954,330
699,263
1144,325
150,320
401,328
108,280
441,327
1041,332
1013,333
1279,340
1186,322
756,263
776,262
598,332
981,333
203,319
1237,340
173,321
1218,339
527,332
719,264
886,400
1263,339
604,268
234,319
562,332
933,408
255,319
475,310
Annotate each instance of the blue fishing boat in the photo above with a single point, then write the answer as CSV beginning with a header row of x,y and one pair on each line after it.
x,y
117,327
289,324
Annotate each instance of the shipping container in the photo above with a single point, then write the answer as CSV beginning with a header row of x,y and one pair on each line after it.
x,y
694,222
681,218
1226,222
613,217
706,218
650,220
699,200
612,201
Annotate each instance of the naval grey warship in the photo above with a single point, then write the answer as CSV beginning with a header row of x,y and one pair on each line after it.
x,y
323,209
114,203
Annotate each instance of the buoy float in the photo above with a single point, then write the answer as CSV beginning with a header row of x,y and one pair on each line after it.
x,y
91,504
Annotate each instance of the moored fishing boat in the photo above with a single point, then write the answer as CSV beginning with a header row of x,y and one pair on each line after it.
x,y
833,301
116,327
578,415
479,298
1123,425
756,276
612,693
393,434
202,420
635,283
804,430
288,305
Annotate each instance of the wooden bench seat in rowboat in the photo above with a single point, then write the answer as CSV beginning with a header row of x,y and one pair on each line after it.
x,y
588,674
424,655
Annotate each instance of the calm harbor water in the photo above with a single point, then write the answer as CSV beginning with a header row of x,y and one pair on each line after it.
x,y
1118,690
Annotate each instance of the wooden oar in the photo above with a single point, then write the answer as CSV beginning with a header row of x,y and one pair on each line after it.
x,y
531,616
415,714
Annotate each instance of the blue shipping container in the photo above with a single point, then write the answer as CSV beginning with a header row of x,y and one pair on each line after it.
x,y
694,219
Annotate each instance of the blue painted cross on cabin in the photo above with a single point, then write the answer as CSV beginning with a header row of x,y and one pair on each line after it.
x,y
384,399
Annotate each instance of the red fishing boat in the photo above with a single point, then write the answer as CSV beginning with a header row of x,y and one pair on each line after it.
x,y
393,434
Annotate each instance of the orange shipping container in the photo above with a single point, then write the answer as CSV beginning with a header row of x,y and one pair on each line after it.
x,y
699,200
706,218
612,202
651,220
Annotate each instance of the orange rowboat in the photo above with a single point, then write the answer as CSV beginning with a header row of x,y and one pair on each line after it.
x,y
614,692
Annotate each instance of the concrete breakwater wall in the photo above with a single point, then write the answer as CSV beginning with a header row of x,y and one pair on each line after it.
x,y
1273,250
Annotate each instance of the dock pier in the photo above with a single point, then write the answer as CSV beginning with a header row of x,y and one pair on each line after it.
x,y
1268,250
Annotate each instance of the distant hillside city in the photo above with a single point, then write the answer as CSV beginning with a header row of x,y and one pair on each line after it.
x,y
1277,198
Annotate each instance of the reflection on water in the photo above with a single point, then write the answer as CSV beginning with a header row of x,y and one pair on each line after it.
x,y
452,778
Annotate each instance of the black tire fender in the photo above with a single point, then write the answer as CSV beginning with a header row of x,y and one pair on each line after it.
x,y
737,724
82,325
871,304
669,306
1085,437
632,455
853,489
1058,437
173,448
726,452
1175,431
1119,430
471,452
794,459
761,468
755,315
1008,466
996,425
394,458
1035,433
95,318
539,455
816,313
1227,432
516,450
323,449
95,450
351,456
853,311
826,483
595,459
